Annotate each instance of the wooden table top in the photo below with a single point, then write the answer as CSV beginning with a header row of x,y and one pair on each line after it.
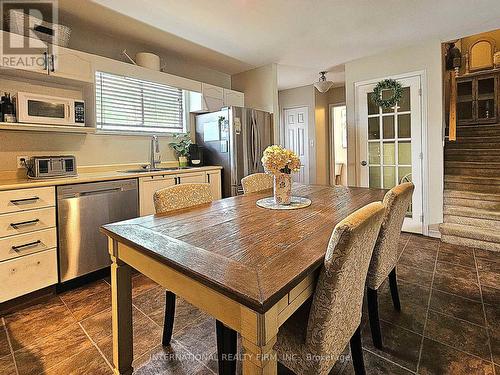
x,y
251,254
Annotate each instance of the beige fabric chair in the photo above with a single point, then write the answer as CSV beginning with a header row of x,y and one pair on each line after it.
x,y
334,315
181,196
174,198
386,253
257,182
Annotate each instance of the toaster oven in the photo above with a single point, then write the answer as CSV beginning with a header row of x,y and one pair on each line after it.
x,y
40,167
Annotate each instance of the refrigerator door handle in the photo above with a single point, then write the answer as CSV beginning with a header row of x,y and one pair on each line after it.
x,y
255,146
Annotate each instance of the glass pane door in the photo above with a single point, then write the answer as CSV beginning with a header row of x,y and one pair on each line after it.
x,y
465,101
485,98
389,143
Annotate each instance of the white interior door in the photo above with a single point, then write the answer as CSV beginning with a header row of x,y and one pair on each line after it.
x,y
390,142
296,139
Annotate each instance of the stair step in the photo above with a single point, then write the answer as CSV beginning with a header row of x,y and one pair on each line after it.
x,y
476,139
472,155
470,236
478,130
472,151
469,242
473,172
486,144
472,222
472,180
473,196
478,188
472,213
471,164
472,203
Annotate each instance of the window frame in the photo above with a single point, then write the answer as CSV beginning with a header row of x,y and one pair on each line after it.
x,y
146,132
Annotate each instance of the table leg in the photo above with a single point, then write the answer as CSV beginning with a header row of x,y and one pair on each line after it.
x,y
259,359
121,301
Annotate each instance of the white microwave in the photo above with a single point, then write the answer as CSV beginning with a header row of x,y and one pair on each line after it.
x,y
46,109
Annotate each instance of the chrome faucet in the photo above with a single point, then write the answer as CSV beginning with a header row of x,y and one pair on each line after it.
x,y
155,152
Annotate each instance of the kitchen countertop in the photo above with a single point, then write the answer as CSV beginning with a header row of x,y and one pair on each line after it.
x,y
9,181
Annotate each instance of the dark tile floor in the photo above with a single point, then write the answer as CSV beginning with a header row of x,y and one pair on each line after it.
x,y
449,324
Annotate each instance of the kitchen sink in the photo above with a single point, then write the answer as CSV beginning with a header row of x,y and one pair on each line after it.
x,y
146,170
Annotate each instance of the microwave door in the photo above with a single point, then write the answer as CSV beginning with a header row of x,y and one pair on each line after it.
x,y
39,109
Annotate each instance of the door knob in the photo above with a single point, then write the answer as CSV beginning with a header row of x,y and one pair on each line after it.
x,y
364,163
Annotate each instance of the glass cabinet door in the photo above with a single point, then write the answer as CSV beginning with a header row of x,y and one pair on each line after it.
x,y
465,101
486,93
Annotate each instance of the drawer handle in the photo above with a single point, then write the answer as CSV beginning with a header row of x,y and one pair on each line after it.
x,y
20,247
22,200
29,222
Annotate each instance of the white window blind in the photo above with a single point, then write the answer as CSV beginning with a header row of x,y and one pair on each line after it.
x,y
125,104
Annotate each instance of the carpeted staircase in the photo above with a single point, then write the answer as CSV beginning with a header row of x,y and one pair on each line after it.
x,y
472,188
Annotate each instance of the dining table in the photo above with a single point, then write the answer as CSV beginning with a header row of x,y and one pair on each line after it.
x,y
248,267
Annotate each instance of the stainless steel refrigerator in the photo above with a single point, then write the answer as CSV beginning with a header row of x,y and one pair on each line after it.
x,y
234,138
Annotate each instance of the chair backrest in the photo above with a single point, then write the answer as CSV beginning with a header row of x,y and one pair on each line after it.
x,y
257,182
337,303
181,196
386,251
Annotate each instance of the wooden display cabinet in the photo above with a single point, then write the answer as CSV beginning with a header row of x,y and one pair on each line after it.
x,y
477,98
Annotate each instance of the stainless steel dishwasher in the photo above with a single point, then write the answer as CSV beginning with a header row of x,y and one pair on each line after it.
x,y
81,210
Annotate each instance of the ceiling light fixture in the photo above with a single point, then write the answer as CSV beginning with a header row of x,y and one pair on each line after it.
x,y
323,85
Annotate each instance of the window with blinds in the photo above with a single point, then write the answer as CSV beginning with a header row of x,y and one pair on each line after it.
x,y
125,104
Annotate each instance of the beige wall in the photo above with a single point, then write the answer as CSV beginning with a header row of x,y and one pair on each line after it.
x,y
426,57
99,42
260,86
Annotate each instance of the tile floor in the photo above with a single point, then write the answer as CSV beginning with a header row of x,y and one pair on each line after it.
x,y
450,324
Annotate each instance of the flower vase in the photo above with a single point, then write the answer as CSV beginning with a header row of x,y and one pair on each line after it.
x,y
283,188
183,161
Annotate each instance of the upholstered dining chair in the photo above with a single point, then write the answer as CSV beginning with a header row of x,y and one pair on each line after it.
x,y
386,254
181,196
257,182
333,315
175,198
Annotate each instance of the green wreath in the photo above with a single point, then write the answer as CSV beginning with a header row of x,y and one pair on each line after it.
x,y
387,84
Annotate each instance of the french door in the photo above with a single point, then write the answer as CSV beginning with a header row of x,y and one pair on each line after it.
x,y
390,142
296,139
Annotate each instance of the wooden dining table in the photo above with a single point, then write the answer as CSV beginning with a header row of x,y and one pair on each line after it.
x,y
250,268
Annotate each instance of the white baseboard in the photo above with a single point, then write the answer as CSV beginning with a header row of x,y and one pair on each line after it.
x,y
433,231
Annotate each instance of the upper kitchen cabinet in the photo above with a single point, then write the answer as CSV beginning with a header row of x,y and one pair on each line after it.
x,y
210,99
71,64
213,98
234,98
36,63
54,61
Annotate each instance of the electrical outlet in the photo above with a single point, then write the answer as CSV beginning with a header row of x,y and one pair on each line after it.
x,y
20,160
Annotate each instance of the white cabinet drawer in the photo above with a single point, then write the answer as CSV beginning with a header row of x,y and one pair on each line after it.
x,y
26,274
192,178
26,199
28,243
27,221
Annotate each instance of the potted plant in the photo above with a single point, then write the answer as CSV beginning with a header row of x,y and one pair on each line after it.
x,y
281,162
181,147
